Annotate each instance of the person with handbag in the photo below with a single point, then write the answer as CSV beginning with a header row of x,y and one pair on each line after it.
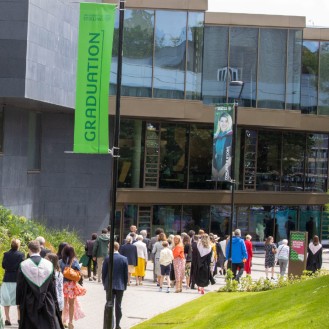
x,y
72,289
270,252
283,256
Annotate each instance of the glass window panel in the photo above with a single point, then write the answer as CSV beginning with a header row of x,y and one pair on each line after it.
x,y
34,142
170,50
324,79
194,55
243,220
309,80
114,62
201,139
285,221
130,213
243,62
261,223
137,58
196,218
173,156
272,68
268,161
215,64
220,220
316,163
293,160
168,218
310,220
131,153
325,226
294,70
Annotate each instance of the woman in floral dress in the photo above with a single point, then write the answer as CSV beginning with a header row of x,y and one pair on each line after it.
x,y
270,251
71,289
179,262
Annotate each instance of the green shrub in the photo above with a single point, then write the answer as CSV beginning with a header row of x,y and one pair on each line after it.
x,y
248,285
12,226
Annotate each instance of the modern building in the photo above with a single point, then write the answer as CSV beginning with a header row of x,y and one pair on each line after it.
x,y
178,61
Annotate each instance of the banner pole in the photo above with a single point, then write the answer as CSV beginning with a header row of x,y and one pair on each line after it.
x,y
108,311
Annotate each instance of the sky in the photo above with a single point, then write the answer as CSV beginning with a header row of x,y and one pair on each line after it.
x,y
315,11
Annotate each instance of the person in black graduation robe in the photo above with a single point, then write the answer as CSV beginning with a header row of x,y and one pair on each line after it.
x,y
203,271
36,292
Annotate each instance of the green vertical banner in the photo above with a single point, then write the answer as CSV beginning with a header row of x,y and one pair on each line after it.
x,y
222,143
96,27
298,242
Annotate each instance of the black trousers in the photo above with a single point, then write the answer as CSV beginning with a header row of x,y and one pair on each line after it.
x,y
116,302
94,263
235,267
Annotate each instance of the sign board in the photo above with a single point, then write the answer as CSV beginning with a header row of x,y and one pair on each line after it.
x,y
298,244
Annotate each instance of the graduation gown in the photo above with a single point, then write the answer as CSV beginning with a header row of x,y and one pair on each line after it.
x,y
36,295
202,270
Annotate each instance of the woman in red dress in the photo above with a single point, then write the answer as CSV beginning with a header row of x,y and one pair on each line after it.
x,y
247,265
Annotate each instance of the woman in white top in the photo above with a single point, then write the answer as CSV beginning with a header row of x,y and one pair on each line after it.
x,y
142,259
283,256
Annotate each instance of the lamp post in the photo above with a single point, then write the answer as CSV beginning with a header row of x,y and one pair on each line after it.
x,y
108,310
235,135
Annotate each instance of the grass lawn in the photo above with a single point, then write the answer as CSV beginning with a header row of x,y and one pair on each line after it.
x,y
302,305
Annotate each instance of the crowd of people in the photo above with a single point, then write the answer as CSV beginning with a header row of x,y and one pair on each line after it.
x,y
45,286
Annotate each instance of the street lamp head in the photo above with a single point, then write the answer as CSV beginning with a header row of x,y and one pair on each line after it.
x,y
236,83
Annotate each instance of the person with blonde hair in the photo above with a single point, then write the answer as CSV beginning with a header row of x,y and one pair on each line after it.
x,y
10,263
179,262
139,272
204,259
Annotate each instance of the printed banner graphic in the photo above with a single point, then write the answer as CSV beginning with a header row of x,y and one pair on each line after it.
x,y
222,143
96,27
297,246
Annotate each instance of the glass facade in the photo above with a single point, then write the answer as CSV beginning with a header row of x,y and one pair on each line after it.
x,y
260,221
137,60
160,60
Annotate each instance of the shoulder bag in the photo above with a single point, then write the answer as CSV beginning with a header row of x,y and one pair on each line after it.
x,y
71,274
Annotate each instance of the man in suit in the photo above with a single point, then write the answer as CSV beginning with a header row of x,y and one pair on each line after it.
x,y
119,280
130,251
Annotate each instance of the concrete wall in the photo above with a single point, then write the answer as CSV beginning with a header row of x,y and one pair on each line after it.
x,y
13,34
74,188
19,189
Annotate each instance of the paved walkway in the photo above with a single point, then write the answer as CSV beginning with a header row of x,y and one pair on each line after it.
x,y
144,302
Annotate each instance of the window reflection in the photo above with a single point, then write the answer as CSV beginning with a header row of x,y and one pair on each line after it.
x,y
272,68
243,62
310,220
137,58
169,58
293,160
309,81
294,69
194,55
268,161
324,79
168,218
173,156
131,153
220,220
215,65
316,162
196,218
200,157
